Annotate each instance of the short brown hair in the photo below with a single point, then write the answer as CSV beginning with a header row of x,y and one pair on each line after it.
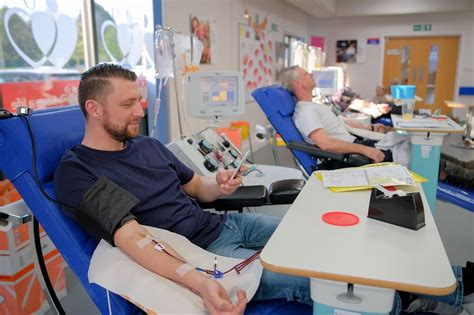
x,y
95,84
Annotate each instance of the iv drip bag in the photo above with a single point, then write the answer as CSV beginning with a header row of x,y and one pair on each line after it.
x,y
163,53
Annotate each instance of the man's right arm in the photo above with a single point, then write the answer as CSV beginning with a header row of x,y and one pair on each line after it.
x,y
327,143
214,295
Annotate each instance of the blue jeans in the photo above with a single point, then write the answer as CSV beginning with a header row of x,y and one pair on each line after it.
x,y
242,236
454,299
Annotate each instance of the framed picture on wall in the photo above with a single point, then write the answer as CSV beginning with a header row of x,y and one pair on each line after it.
x,y
346,51
204,28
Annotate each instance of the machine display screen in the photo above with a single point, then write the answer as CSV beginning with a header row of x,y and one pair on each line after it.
x,y
325,79
329,80
219,91
215,94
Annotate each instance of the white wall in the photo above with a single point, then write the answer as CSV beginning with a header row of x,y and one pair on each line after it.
x,y
366,76
228,14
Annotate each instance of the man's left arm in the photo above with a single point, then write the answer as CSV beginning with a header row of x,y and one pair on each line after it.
x,y
356,124
372,127
207,189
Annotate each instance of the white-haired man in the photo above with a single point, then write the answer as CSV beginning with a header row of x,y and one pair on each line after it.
x,y
320,126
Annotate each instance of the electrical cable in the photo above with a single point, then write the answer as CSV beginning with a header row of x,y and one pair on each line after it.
x,y
42,266
5,114
35,173
238,268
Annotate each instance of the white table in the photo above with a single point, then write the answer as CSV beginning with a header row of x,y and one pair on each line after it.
x,y
426,139
371,253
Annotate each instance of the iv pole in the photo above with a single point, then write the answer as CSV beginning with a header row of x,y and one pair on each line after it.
x,y
170,34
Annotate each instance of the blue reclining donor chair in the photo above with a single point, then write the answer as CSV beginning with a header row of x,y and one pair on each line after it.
x,y
278,104
55,131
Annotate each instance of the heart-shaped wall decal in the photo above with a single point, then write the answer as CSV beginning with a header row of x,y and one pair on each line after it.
x,y
130,41
124,38
44,30
105,25
65,41
136,45
8,14
149,49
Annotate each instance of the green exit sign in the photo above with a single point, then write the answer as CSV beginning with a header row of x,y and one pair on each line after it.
x,y
422,27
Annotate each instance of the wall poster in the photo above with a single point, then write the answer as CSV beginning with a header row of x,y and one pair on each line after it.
x,y
204,28
350,51
346,51
256,58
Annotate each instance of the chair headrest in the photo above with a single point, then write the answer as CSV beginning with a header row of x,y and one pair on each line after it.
x,y
64,130
274,99
55,131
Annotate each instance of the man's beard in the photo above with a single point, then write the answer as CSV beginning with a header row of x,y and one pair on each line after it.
x,y
117,133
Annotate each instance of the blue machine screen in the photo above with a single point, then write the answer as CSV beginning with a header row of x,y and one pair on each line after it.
x,y
219,91
324,79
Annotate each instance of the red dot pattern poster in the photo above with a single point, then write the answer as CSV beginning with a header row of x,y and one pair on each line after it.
x,y
256,58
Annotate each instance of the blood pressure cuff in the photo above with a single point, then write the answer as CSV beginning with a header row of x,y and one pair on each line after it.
x,y
104,208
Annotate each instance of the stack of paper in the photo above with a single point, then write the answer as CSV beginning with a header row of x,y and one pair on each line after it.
x,y
386,174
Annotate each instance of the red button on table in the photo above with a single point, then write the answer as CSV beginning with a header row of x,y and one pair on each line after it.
x,y
340,218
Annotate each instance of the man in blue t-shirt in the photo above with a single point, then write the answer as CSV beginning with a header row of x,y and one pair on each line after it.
x,y
118,181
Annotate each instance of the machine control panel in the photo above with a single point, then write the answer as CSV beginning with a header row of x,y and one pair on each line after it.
x,y
207,151
211,164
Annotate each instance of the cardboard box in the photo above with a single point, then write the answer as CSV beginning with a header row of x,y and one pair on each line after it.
x,y
22,293
20,290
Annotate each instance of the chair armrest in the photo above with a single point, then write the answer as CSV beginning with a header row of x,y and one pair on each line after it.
x,y
244,196
372,135
17,213
353,159
314,150
285,191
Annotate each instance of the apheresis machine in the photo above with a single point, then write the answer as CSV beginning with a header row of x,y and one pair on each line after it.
x,y
212,95
329,80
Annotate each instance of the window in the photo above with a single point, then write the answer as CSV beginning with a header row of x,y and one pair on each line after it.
x,y
41,53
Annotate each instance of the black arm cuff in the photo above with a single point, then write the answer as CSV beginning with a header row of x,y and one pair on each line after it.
x,y
105,207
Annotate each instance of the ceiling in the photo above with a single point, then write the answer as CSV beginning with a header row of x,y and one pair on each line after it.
x,y
346,8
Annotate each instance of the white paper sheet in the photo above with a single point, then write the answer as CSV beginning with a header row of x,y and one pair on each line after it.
x,y
367,176
117,272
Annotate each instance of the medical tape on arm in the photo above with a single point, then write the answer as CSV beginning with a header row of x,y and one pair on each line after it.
x,y
181,270
184,268
144,241
150,239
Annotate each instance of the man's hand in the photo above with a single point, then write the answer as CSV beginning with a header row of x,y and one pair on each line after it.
x,y
383,108
227,185
374,154
379,127
218,301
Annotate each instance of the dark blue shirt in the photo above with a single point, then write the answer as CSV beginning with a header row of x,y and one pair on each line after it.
x,y
148,170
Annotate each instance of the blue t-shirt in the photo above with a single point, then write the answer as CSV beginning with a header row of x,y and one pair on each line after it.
x,y
149,171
